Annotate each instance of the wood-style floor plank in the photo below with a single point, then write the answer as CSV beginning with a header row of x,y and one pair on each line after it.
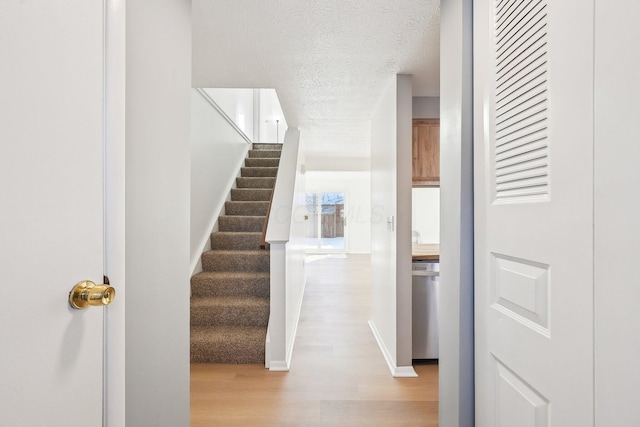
x,y
338,376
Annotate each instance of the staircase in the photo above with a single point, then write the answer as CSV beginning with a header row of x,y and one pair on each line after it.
x,y
230,297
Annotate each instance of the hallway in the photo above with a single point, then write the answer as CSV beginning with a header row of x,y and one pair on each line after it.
x,y
338,376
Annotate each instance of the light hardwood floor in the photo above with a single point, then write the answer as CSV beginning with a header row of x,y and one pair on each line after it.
x,y
338,376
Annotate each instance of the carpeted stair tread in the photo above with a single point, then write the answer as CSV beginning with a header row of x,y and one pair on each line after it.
x,y
234,240
240,223
249,171
230,283
228,344
266,146
265,153
246,208
249,194
255,182
229,311
217,260
262,162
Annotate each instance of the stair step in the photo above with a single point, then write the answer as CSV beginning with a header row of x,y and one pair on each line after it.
x,y
262,162
230,283
229,311
264,146
247,194
232,240
258,171
216,260
265,153
230,298
241,223
255,182
229,344
246,208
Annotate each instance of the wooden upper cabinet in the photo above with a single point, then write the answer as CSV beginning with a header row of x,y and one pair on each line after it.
x,y
426,152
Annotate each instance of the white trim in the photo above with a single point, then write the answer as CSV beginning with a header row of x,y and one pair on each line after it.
x,y
267,350
405,372
456,375
279,366
114,210
396,371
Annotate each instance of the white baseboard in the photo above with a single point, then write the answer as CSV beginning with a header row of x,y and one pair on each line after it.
x,y
267,350
396,371
405,372
279,366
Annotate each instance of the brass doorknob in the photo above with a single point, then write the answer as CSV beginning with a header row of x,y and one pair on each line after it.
x,y
87,293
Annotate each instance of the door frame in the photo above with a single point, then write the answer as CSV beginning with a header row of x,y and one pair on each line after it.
x,y
456,367
456,347
114,72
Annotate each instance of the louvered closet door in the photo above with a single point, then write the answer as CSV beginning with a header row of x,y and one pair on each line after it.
x,y
533,65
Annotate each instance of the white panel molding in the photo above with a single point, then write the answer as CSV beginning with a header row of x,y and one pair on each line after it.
x,y
521,290
518,403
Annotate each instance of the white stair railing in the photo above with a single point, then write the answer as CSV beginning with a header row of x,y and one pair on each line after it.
x,y
285,235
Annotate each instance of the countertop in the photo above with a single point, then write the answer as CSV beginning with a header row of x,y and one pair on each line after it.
x,y
425,251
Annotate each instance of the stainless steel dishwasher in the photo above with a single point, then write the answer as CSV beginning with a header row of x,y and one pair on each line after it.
x,y
425,277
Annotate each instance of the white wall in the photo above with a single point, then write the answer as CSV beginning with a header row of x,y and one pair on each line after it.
x,y
158,85
456,221
426,107
357,188
237,104
617,209
270,111
391,224
335,163
255,111
217,153
383,206
425,214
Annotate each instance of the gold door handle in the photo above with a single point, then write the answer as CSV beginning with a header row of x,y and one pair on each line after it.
x,y
87,293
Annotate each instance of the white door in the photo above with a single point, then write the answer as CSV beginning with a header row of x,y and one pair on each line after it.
x,y
51,218
533,80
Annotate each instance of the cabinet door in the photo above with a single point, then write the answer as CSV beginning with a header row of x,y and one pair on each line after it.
x,y
426,152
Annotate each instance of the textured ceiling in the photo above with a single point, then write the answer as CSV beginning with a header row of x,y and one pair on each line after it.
x,y
327,59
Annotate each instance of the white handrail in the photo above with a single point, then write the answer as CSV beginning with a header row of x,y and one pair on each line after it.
x,y
224,115
279,227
